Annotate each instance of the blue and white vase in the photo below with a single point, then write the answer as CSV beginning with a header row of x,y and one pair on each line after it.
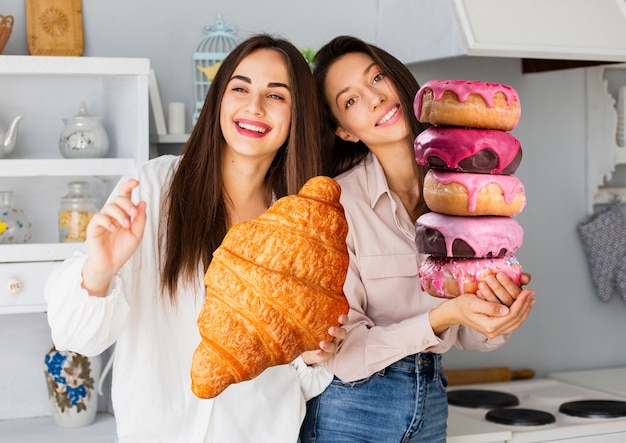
x,y
72,381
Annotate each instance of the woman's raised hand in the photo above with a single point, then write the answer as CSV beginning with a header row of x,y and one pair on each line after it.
x,y
113,234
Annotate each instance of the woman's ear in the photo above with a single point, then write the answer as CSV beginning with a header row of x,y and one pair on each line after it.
x,y
345,135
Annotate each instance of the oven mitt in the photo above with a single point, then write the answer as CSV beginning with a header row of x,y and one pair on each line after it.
x,y
603,237
620,277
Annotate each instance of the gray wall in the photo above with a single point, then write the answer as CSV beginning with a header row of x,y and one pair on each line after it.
x,y
569,327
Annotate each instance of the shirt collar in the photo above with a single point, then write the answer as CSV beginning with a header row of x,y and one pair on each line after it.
x,y
376,180
377,186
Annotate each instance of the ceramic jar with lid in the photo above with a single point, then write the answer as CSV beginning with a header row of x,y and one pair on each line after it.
x,y
14,224
83,136
77,208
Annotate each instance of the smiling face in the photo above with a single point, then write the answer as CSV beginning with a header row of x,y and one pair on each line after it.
x,y
255,115
364,102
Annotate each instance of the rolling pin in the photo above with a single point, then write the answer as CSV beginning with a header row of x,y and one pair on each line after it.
x,y
486,375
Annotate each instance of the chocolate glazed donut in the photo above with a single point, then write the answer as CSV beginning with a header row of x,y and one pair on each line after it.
x,y
467,237
432,241
483,151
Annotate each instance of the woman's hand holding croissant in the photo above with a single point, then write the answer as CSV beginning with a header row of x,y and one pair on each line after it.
x,y
327,349
113,234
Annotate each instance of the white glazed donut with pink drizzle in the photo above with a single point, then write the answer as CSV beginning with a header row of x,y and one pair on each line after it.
x,y
468,103
467,194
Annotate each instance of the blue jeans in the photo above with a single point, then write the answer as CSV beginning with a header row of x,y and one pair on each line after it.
x,y
405,402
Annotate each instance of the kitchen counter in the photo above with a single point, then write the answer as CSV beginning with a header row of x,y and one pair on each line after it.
x,y
610,380
45,430
463,429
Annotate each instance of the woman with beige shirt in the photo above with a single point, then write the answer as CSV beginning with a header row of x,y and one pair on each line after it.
x,y
389,384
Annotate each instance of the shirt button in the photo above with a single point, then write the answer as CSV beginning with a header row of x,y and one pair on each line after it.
x,y
424,341
413,348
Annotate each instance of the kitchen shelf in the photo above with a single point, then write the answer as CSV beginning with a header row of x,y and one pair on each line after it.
x,y
45,430
34,252
169,138
100,167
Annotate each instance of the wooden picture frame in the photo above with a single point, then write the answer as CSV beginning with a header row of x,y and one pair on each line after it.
x,y
54,27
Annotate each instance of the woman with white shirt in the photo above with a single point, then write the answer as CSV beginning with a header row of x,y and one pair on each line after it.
x,y
389,384
140,285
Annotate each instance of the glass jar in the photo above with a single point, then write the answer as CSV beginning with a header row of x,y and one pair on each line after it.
x,y
77,208
14,225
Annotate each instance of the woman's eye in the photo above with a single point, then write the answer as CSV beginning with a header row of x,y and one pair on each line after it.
x,y
378,77
276,96
238,89
350,102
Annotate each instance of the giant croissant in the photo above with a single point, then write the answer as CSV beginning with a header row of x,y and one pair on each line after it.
x,y
273,288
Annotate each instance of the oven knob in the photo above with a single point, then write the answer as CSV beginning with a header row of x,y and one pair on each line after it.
x,y
14,285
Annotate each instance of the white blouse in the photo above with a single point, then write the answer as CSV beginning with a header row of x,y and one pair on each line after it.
x,y
154,343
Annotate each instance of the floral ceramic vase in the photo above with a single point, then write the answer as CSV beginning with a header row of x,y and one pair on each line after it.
x,y
14,225
72,379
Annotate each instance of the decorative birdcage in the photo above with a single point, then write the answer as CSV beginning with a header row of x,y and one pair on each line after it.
x,y
210,51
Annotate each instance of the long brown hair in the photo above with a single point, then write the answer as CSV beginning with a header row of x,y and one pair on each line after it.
x,y
197,217
341,155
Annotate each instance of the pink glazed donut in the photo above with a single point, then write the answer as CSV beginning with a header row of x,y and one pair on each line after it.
x,y
468,103
450,277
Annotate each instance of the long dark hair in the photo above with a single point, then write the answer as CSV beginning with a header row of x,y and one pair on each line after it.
x,y
197,217
341,155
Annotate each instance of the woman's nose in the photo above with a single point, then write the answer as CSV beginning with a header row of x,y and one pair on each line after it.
x,y
376,99
255,104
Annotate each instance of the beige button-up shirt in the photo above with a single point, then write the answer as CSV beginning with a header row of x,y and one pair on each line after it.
x,y
388,312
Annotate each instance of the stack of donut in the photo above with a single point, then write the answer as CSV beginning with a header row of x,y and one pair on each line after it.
x,y
470,187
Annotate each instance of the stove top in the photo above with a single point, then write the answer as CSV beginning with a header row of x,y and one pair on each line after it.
x,y
542,400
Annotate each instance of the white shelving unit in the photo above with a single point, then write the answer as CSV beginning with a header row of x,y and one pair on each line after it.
x,y
44,90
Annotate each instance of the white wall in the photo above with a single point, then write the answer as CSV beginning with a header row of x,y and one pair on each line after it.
x,y
569,327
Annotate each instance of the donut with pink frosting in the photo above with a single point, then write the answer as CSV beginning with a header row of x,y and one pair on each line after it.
x,y
485,236
450,277
468,103
469,194
483,151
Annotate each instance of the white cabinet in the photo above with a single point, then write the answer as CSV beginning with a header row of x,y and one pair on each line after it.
x,y
44,90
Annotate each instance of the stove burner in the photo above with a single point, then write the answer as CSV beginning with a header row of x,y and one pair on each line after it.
x,y
481,398
594,408
520,417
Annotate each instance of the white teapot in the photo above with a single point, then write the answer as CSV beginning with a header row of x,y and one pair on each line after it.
x,y
8,136
83,136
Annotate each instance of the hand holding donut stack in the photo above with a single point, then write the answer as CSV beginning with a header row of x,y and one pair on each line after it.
x,y
470,187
